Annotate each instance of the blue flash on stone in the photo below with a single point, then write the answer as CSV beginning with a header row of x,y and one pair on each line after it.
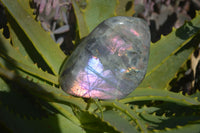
x,y
111,62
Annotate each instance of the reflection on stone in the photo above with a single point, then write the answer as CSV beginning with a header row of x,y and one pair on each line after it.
x,y
111,62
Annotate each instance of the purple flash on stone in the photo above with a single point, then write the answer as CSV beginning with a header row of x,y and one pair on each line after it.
x,y
111,62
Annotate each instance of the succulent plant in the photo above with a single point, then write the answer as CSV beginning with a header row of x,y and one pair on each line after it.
x,y
31,99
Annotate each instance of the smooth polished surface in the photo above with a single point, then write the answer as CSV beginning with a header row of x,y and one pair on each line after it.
x,y
111,62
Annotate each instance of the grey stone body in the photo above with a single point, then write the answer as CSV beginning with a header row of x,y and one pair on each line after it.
x,y
111,62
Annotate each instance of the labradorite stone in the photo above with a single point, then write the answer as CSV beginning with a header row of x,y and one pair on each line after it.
x,y
110,62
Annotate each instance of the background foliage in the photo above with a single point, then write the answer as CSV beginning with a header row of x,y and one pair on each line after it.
x,y
30,59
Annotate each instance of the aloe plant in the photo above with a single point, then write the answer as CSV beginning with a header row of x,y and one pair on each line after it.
x,y
31,99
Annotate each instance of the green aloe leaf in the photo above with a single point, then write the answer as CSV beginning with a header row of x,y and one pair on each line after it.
x,y
22,62
17,45
43,91
42,41
6,48
119,122
31,70
160,122
26,5
46,124
197,94
195,126
92,123
170,53
90,13
145,94
126,110
40,106
66,111
20,112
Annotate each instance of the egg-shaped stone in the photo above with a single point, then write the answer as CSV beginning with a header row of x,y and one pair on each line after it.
x,y
110,62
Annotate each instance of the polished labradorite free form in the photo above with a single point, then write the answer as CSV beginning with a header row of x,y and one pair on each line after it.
x,y
111,62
